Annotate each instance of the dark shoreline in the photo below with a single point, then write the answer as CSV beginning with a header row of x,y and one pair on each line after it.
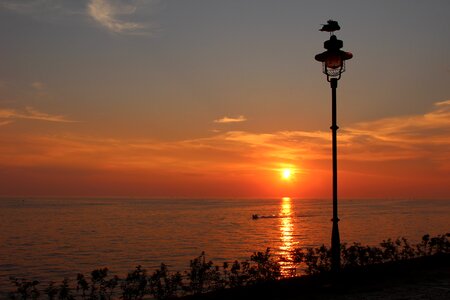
x,y
394,270
419,278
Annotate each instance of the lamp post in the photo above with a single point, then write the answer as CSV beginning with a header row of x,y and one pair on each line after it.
x,y
333,61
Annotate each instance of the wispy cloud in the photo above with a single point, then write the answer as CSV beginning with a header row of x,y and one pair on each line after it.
x,y
30,6
5,122
37,85
231,119
112,14
30,113
118,16
39,88
403,137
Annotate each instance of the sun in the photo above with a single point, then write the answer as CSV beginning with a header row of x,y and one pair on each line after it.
x,y
286,174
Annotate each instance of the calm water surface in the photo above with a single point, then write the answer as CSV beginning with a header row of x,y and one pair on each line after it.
x,y
49,239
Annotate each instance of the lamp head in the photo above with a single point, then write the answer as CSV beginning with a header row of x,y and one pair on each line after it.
x,y
333,60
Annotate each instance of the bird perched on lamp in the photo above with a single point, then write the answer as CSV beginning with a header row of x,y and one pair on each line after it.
x,y
331,26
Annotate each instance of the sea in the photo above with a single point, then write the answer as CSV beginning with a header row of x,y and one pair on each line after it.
x,y
50,239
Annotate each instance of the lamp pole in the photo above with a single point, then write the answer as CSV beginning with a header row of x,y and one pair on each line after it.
x,y
335,239
333,62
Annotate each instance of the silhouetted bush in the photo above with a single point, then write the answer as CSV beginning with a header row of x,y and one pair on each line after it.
x,y
317,260
407,251
430,246
203,276
264,267
51,291
99,287
134,287
238,274
357,255
65,292
390,250
163,284
24,289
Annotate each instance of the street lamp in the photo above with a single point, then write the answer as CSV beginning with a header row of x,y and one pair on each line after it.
x,y
333,61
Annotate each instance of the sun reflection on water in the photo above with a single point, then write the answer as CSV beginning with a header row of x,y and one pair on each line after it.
x,y
287,236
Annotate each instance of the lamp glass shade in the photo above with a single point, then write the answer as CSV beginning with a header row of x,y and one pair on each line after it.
x,y
333,61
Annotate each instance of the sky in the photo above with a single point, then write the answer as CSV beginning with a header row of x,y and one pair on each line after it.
x,y
146,98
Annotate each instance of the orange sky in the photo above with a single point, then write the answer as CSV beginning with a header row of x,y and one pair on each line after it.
x,y
196,98
406,157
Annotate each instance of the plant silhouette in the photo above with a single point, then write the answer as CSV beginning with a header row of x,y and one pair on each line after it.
x,y
204,276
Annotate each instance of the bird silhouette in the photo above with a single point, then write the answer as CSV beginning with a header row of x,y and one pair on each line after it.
x,y
331,26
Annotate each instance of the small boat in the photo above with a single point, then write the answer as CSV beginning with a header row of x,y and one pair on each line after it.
x,y
256,217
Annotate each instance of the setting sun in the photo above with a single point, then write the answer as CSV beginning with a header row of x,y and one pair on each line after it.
x,y
286,174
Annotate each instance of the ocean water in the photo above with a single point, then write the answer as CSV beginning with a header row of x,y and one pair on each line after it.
x,y
49,239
